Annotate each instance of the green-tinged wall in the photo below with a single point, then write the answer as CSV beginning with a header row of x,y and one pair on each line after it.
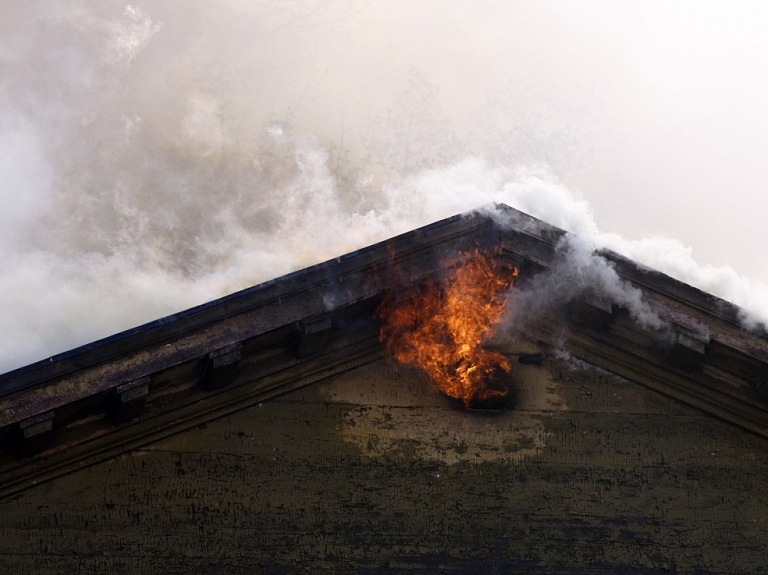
x,y
376,473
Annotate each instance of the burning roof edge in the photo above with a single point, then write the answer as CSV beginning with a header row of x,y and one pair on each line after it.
x,y
243,300
170,374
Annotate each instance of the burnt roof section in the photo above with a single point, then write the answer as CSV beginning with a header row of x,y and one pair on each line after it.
x,y
127,390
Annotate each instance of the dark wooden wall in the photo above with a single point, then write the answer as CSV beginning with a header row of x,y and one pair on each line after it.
x,y
375,473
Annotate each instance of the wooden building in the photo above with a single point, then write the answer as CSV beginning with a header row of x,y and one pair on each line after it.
x,y
267,432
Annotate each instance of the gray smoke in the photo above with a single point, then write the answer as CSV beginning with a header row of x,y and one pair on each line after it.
x,y
155,156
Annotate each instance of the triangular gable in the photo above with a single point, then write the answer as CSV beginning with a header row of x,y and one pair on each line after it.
x,y
172,374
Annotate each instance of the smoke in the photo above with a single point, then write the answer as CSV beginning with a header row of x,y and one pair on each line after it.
x,y
578,267
155,156
672,257
576,270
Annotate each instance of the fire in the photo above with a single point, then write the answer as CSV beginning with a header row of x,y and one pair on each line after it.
x,y
441,328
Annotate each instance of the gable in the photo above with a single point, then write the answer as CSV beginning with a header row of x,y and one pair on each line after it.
x,y
140,386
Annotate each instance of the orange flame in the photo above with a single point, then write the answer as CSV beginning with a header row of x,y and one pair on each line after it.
x,y
441,328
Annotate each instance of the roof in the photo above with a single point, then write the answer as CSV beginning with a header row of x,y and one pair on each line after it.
x,y
161,378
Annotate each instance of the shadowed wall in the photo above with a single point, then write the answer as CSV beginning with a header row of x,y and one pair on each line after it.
x,y
374,472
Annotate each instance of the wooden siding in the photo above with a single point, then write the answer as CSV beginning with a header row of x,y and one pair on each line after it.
x,y
373,472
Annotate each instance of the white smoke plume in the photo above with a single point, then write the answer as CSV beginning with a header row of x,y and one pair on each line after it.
x,y
155,156
576,270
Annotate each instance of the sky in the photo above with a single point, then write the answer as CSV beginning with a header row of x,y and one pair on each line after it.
x,y
157,155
